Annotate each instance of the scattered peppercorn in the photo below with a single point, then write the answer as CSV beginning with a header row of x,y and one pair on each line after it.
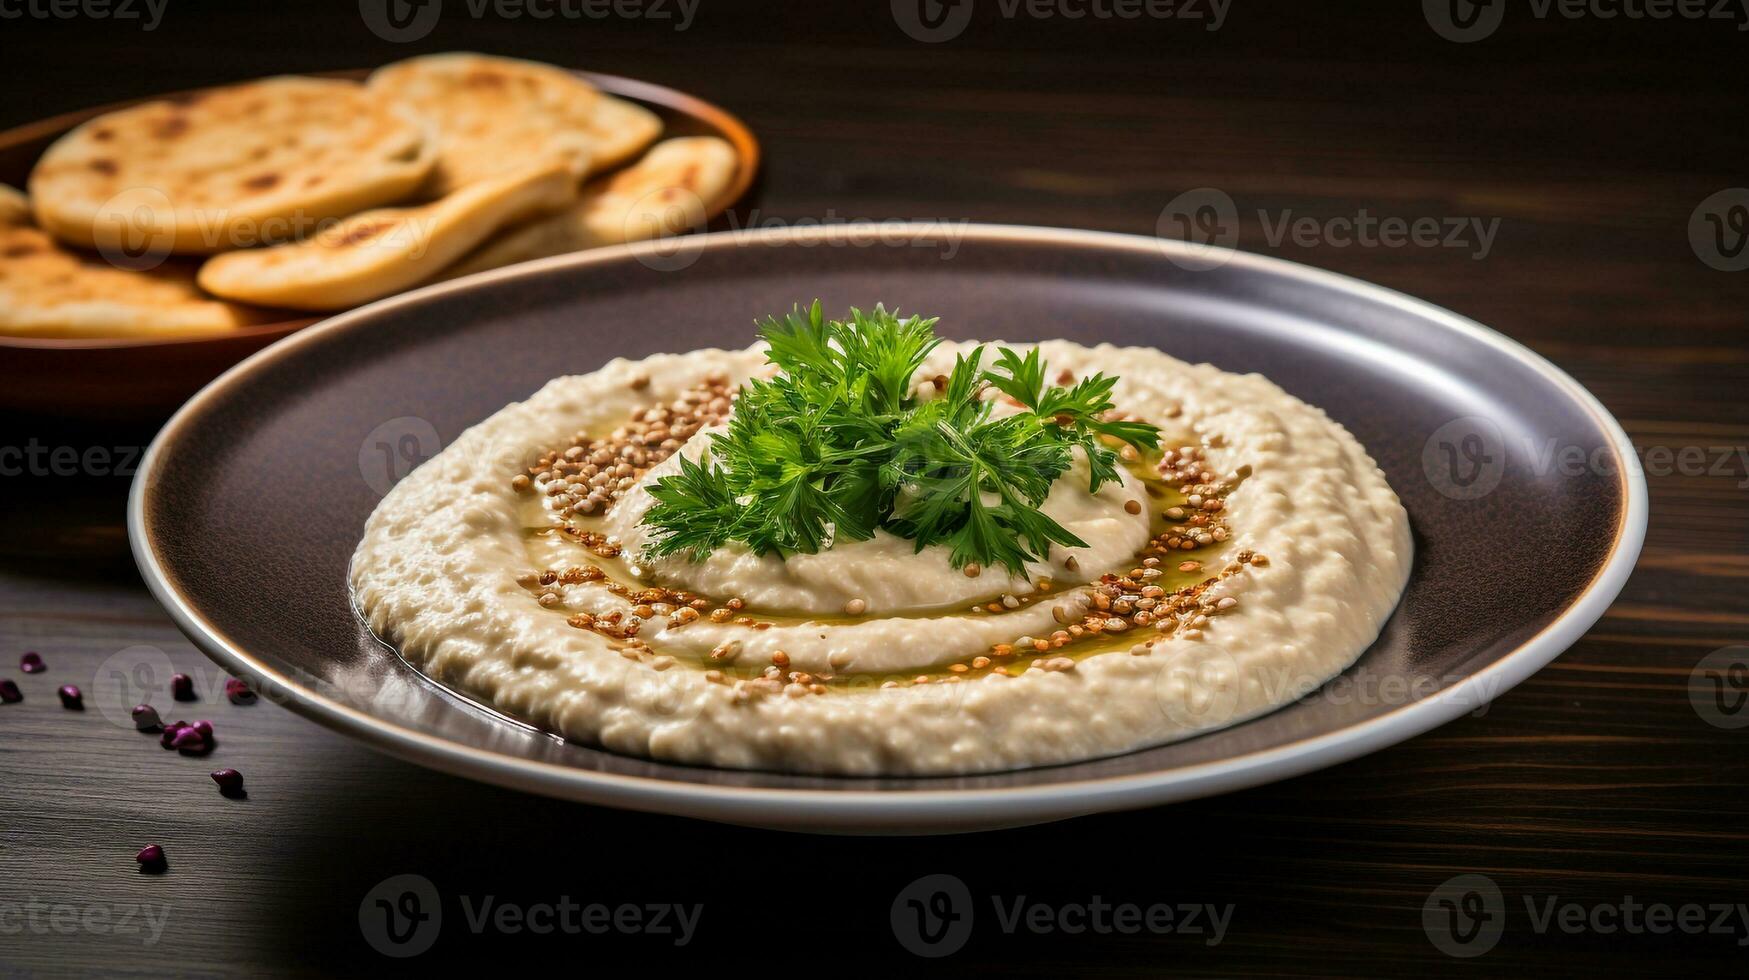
x,y
237,690
71,699
9,692
182,687
32,663
151,858
188,741
146,718
230,782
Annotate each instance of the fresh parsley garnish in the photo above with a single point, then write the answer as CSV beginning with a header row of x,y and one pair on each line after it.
x,y
839,443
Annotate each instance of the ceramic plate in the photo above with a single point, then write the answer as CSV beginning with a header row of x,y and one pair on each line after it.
x,y
123,377
249,504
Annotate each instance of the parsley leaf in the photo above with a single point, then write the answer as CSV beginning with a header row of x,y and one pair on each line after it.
x,y
839,444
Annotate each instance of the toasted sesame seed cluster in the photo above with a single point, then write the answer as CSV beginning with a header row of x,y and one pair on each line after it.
x,y
587,476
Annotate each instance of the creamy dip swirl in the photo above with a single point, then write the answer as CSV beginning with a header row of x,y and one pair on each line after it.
x,y
1264,557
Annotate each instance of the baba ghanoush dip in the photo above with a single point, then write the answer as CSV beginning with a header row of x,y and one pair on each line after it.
x,y
854,548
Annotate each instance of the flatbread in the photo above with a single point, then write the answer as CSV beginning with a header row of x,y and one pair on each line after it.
x,y
497,114
376,253
49,290
668,192
250,164
621,130
14,206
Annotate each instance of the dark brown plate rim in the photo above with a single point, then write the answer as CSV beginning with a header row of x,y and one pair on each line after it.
x,y
648,94
922,809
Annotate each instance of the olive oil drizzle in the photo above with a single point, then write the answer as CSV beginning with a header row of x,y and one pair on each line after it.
x,y
1160,496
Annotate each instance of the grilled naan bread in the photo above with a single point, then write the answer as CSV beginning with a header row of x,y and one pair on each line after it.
x,y
668,192
231,167
376,253
494,114
49,290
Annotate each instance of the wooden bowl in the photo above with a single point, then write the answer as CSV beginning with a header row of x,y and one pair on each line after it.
x,y
135,377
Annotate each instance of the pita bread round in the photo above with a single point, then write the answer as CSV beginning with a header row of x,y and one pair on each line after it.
x,y
668,192
14,206
377,253
496,114
621,130
48,290
229,168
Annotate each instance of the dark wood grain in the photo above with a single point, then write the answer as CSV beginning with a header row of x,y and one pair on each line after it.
x,y
1591,141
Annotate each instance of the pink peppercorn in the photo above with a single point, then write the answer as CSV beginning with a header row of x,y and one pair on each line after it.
x,y
230,782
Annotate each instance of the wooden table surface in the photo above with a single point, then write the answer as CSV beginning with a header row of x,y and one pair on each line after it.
x,y
1595,785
